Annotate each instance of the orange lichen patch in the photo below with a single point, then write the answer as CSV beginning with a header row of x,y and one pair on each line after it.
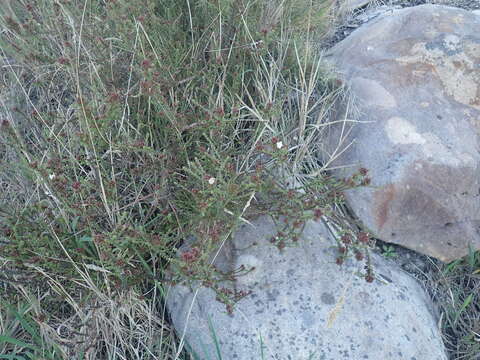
x,y
382,200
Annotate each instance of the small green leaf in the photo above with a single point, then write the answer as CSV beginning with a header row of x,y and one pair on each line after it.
x,y
465,304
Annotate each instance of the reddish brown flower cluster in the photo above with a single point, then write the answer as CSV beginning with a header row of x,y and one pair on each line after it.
x,y
7,232
148,87
219,111
156,240
297,224
146,64
346,239
350,182
317,214
63,61
359,256
114,98
259,147
363,237
190,255
255,179
232,294
366,181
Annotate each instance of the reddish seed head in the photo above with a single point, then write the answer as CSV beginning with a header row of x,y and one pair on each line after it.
x,y
63,60
146,64
274,140
318,214
76,185
191,255
366,181
342,249
297,224
359,256
219,111
369,278
363,237
259,167
363,171
339,261
113,98
346,239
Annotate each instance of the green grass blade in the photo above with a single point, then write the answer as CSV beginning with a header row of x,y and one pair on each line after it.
x,y
450,267
12,357
465,304
10,340
215,339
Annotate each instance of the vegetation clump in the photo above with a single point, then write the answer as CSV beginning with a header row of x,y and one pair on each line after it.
x,y
129,127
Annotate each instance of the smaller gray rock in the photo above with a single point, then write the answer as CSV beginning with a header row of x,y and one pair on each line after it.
x,y
304,306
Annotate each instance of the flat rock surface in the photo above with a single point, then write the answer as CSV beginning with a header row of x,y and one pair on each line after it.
x,y
415,76
304,306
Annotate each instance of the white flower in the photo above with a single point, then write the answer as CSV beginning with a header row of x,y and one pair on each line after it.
x,y
51,176
212,180
279,145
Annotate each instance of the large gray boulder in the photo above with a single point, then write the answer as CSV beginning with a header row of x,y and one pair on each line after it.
x,y
304,306
415,75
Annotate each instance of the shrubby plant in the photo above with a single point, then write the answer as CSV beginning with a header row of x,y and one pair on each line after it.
x,y
132,126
